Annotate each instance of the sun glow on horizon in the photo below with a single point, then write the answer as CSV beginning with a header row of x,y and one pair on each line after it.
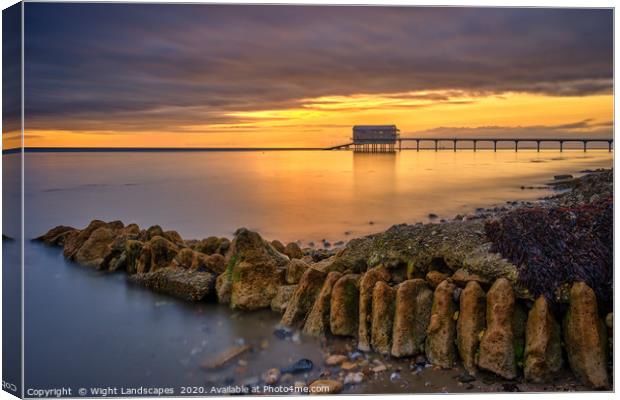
x,y
327,120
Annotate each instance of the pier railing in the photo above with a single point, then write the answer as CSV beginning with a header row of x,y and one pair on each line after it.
x,y
382,147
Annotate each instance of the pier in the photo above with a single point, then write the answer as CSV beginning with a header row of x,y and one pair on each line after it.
x,y
369,145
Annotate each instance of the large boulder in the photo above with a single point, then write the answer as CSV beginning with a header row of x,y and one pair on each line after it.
x,y
367,284
304,297
470,324
74,241
132,251
383,299
317,322
414,300
585,337
95,249
280,302
441,332
56,236
178,282
295,270
255,271
163,252
344,309
497,345
543,345
292,250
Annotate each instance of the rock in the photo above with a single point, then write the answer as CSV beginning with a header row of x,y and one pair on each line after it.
x,y
325,386
295,270
56,236
174,237
185,258
434,278
344,309
461,277
317,322
335,359
280,301
414,300
562,177
348,365
215,263
543,346
223,288
354,378
94,250
497,345
383,299
272,376
470,324
163,252
302,365
75,239
133,249
254,266
178,282
367,284
292,250
213,245
278,246
441,332
585,338
303,298
283,333
225,357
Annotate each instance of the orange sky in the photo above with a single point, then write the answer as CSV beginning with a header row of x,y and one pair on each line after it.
x,y
325,121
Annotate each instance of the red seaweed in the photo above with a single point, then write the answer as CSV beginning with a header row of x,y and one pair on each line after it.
x,y
558,245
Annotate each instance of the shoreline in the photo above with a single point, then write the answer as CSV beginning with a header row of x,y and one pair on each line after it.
x,y
249,273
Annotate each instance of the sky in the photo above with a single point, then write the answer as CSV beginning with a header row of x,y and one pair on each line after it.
x,y
125,75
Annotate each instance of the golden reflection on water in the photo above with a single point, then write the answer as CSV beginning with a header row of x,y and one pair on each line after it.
x,y
286,195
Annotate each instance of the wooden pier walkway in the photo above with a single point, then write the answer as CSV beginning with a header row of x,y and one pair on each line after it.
x,y
382,147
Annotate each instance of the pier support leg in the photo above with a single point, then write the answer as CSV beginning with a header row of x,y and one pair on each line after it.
x,y
585,145
561,146
400,145
417,145
495,145
609,146
475,145
454,144
538,146
436,143
516,145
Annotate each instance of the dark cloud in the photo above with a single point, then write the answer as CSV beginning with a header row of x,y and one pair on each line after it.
x,y
136,66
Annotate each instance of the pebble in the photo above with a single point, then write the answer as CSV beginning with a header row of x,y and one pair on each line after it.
x,y
465,378
348,365
394,376
354,378
335,359
303,365
272,376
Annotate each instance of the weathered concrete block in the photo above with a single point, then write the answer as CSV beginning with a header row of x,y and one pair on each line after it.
x,y
383,298
344,309
441,333
543,346
414,300
470,324
317,322
585,337
367,285
497,345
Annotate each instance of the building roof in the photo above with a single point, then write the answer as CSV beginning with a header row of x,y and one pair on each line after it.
x,y
374,127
